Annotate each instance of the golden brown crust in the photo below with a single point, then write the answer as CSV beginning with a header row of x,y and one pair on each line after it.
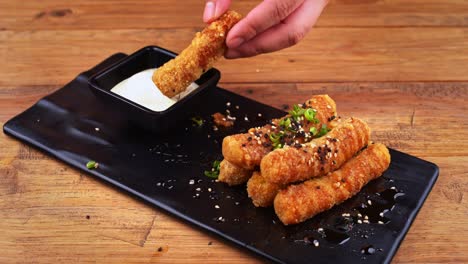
x,y
261,191
247,150
300,202
232,174
318,157
206,48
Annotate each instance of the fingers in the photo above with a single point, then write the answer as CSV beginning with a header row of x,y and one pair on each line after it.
x,y
214,9
285,34
262,17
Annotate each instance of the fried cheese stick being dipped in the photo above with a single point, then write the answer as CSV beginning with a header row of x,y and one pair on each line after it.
x,y
317,157
206,48
232,174
261,191
247,150
300,202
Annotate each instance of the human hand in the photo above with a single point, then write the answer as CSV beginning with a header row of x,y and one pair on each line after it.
x,y
272,25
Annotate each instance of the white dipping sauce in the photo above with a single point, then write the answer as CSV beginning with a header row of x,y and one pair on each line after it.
x,y
141,89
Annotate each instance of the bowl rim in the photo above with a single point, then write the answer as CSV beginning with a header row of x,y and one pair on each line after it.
x,y
94,85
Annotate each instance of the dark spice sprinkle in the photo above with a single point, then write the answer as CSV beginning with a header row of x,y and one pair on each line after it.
x,y
210,243
243,145
317,187
266,136
331,118
249,138
160,249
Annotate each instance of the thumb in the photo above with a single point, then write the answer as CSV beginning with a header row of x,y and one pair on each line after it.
x,y
214,9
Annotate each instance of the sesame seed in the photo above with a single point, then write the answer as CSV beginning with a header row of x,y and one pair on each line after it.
x,y
359,221
96,128
359,215
246,118
366,221
380,222
320,229
237,107
329,107
366,217
192,182
316,243
369,202
381,214
216,206
228,104
198,189
259,115
209,189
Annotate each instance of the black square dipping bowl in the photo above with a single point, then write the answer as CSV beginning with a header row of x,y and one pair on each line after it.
x,y
147,58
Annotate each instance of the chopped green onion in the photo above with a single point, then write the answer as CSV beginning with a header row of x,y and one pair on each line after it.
x,y
309,114
214,173
285,122
276,140
324,130
92,165
296,112
313,131
197,120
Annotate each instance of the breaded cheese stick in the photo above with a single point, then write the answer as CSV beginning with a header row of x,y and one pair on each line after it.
x,y
300,202
318,157
232,174
247,150
261,191
206,48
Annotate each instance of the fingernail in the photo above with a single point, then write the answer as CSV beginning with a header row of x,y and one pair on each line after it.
x,y
232,54
236,42
209,11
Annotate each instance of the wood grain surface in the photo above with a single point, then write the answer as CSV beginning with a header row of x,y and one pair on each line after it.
x,y
402,65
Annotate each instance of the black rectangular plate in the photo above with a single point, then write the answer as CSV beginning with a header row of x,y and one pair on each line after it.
x,y
167,172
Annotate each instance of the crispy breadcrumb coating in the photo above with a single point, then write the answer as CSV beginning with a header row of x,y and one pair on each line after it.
x,y
317,157
299,202
247,150
261,191
206,48
232,174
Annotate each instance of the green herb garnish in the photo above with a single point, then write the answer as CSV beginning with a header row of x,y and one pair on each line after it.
x,y
197,120
313,131
324,130
275,139
285,122
297,112
214,172
309,114
92,165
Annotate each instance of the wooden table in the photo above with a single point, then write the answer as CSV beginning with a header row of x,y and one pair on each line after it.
x,y
402,65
